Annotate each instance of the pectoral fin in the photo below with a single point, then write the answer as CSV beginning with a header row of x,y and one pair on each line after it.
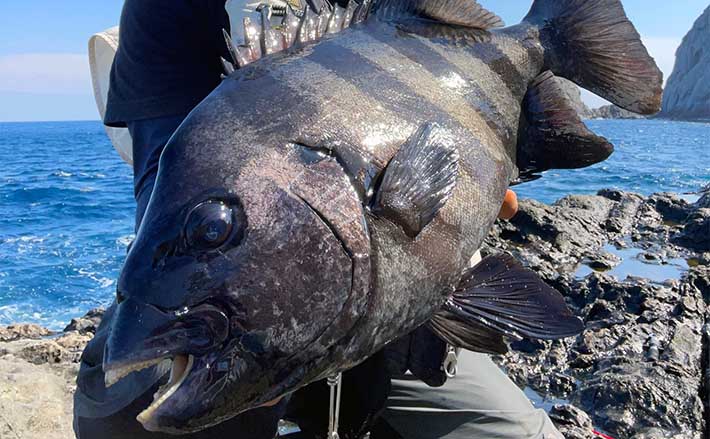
x,y
500,298
552,135
418,180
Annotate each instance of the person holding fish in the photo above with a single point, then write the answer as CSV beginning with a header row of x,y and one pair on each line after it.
x,y
319,212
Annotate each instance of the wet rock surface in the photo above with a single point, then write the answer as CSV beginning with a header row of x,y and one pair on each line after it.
x,y
572,422
636,270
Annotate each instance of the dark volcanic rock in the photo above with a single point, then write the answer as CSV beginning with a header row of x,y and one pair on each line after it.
x,y
572,422
88,323
696,231
638,369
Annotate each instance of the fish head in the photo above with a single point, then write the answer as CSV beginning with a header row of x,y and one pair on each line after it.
x,y
242,270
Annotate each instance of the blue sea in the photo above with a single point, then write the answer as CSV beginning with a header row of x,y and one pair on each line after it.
x,y
66,204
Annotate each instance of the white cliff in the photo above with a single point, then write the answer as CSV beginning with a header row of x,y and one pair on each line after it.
x,y
687,94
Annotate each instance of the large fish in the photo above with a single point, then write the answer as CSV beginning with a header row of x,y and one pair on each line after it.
x,y
326,199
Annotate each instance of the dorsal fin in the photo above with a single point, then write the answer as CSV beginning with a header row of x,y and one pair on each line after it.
x,y
297,27
453,19
466,13
552,135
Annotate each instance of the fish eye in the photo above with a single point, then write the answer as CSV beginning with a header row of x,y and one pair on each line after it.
x,y
209,225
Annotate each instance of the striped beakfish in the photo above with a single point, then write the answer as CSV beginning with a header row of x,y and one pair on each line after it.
x,y
328,196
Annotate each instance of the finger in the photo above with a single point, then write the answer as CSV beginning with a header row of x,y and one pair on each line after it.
x,y
509,207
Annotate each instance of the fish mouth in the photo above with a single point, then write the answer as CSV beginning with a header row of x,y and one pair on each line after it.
x,y
180,368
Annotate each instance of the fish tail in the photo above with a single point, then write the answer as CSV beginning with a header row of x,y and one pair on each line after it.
x,y
593,43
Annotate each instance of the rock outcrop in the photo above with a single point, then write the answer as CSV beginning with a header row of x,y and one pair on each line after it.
x,y
574,94
638,371
612,112
37,374
687,93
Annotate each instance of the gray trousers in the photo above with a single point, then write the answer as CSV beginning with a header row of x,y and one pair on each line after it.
x,y
480,402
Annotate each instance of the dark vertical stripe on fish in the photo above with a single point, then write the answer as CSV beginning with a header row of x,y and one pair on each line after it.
x,y
490,53
441,67
423,88
376,83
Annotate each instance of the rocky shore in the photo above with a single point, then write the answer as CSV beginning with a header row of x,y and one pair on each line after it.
x,y
37,373
636,269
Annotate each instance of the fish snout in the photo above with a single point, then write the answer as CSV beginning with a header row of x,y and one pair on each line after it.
x,y
144,335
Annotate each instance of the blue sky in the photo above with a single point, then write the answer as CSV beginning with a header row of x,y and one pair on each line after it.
x,y
44,73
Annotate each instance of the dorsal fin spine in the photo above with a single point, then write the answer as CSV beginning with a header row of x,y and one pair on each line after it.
x,y
307,27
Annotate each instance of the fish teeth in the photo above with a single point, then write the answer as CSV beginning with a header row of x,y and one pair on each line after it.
x,y
112,376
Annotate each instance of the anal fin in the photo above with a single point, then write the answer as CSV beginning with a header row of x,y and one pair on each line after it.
x,y
552,135
499,298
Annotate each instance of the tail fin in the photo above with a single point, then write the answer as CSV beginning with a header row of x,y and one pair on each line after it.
x,y
593,43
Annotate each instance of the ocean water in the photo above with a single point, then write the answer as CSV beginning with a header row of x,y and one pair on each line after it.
x,y
66,215
650,156
66,204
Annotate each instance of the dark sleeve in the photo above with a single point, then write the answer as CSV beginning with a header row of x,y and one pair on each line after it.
x,y
149,139
365,390
168,58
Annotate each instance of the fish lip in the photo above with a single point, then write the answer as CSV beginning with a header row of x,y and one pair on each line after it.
x,y
169,415
153,350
